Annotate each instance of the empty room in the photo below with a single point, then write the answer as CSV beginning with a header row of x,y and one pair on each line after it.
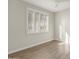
x,y
39,29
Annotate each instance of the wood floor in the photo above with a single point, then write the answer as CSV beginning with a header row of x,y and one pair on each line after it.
x,y
50,50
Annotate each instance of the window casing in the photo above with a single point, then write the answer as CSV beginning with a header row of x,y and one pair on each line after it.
x,y
37,21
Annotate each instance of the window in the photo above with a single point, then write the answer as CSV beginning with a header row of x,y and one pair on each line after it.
x,y
36,21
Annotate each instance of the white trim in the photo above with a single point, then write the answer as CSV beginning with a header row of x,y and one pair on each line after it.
x,y
40,12
30,46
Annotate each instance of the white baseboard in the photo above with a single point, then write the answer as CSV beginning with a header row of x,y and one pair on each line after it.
x,y
29,46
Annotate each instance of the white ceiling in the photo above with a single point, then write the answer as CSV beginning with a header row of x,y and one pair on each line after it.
x,y
51,5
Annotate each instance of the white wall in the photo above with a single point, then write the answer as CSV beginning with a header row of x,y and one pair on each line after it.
x,y
18,38
62,24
